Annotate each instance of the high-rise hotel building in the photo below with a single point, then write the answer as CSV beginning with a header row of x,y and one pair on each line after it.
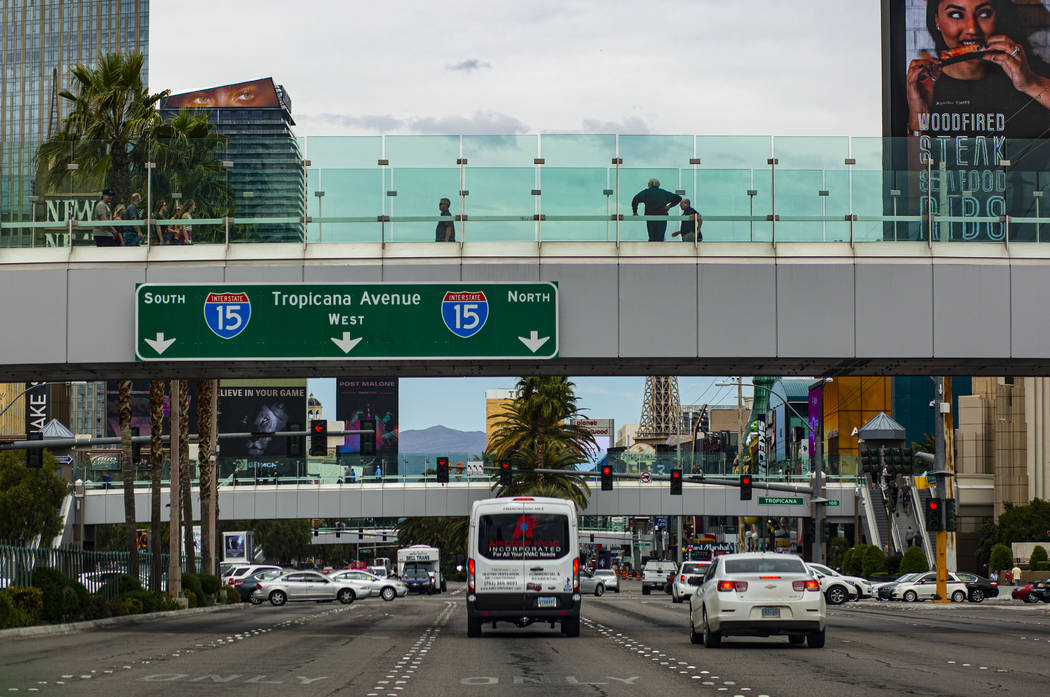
x,y
40,41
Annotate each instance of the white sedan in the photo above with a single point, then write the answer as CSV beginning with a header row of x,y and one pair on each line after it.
x,y
925,587
864,587
385,588
757,594
682,588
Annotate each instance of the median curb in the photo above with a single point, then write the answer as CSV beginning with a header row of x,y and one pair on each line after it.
x,y
73,627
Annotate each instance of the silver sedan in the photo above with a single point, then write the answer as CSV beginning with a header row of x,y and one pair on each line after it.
x,y
385,588
306,585
593,582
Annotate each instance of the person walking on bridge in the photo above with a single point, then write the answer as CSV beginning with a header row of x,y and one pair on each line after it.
x,y
657,202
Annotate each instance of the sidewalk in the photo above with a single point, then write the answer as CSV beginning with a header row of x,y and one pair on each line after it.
x,y
73,627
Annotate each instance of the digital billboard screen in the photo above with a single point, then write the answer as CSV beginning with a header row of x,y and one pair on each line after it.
x,y
255,93
357,400
258,410
968,97
140,423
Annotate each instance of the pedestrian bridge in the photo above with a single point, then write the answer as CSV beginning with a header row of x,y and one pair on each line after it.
x,y
412,499
818,258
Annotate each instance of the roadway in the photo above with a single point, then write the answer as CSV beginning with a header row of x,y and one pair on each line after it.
x,y
630,646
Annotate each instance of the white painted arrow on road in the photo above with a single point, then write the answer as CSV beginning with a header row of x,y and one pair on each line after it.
x,y
160,344
534,342
346,343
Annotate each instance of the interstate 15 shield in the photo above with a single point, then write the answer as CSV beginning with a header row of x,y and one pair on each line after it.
x,y
227,314
464,312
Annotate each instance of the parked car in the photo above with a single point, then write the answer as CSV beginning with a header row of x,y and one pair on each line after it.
x,y
864,587
680,587
836,589
884,591
609,578
385,588
655,575
1041,590
380,571
297,586
591,582
757,594
246,586
925,587
1024,594
242,571
978,587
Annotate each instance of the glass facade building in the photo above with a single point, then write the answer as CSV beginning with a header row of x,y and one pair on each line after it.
x,y
42,40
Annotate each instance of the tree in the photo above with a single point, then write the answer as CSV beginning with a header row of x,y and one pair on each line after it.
x,y
111,114
283,541
156,461
536,432
29,499
127,469
184,474
914,561
204,467
447,534
1038,556
187,149
1001,558
874,561
1027,523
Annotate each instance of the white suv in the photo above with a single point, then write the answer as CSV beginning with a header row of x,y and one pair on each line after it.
x,y
655,575
865,588
681,588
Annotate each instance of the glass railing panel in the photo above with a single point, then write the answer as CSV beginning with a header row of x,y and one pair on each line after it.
x,y
811,152
419,191
422,151
961,213
500,151
577,150
1026,183
349,209
342,152
635,182
657,151
578,192
735,204
733,152
811,205
870,190
500,192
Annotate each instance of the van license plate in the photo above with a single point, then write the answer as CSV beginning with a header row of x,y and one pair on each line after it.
x,y
771,612
546,602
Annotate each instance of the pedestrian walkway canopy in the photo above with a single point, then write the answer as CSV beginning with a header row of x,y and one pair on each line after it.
x,y
881,427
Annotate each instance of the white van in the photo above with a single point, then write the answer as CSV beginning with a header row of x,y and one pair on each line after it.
x,y
523,563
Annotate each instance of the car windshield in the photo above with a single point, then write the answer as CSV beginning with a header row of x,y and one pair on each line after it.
x,y
416,572
604,572
757,565
692,569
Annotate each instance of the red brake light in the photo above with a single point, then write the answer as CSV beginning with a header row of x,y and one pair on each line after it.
x,y
470,566
682,579
813,585
522,499
771,578
728,586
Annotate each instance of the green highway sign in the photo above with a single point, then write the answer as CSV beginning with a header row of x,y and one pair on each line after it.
x,y
345,321
833,502
780,500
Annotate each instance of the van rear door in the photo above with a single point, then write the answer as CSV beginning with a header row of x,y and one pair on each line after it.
x,y
502,573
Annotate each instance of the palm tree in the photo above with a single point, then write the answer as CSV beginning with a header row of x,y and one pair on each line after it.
x,y
184,474
156,461
535,433
111,113
187,151
127,468
204,466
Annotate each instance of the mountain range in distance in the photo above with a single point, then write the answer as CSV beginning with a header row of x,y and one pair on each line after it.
x,y
440,439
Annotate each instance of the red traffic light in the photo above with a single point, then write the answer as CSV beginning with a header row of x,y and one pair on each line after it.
x,y
606,469
675,474
745,480
933,504
319,427
504,465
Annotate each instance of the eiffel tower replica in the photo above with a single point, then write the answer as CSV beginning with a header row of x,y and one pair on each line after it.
x,y
661,410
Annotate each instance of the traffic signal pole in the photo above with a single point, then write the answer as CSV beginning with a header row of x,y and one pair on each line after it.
x,y
940,490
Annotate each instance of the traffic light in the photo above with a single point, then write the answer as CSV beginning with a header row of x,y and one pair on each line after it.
x,y
35,456
318,437
136,453
949,515
368,440
745,487
442,472
676,482
592,537
506,473
294,444
607,478
934,520
317,524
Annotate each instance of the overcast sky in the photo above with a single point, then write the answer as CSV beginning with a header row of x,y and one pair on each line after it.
x,y
710,67
706,67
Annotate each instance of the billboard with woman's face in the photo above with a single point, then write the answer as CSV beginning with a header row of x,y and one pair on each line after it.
x,y
968,87
256,93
